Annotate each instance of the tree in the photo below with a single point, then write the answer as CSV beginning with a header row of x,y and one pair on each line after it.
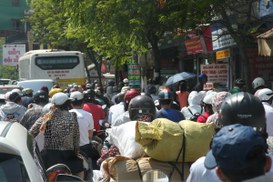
x,y
239,17
121,28
9,72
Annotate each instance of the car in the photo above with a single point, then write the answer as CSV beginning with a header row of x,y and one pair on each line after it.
x,y
36,84
20,158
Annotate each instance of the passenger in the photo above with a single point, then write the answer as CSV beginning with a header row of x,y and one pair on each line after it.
x,y
62,135
40,99
165,101
242,108
257,84
266,97
207,105
124,117
140,108
117,109
86,126
27,97
216,102
239,86
12,110
203,78
194,107
239,154
182,94
91,106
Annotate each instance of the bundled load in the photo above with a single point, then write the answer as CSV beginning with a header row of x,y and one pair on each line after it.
x,y
125,169
165,140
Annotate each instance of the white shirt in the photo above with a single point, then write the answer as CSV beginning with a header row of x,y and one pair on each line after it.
x,y
123,118
199,173
115,111
194,109
269,118
86,123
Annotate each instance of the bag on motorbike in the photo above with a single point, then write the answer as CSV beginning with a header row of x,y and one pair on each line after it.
x,y
125,169
123,136
165,140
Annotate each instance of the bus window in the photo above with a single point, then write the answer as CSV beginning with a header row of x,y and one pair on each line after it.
x,y
58,62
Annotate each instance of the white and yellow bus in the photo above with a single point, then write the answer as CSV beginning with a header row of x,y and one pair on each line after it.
x,y
64,67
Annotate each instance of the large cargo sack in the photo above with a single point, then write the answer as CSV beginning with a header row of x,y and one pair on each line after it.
x,y
123,136
163,139
123,169
198,137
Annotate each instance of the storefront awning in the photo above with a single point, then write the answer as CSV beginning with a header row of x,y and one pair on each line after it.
x,y
265,43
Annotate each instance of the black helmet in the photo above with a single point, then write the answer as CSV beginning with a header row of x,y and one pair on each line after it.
x,y
141,105
239,82
243,108
40,96
88,95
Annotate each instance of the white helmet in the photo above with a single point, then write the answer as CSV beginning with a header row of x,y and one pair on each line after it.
x,y
265,94
257,82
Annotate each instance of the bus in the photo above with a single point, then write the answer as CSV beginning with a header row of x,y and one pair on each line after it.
x,y
64,67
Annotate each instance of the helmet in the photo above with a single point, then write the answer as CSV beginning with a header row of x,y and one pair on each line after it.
x,y
243,108
40,96
130,94
239,82
141,105
265,94
89,95
13,96
208,97
27,91
76,96
165,95
59,98
257,82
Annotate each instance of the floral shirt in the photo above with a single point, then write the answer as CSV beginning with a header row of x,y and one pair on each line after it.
x,y
61,133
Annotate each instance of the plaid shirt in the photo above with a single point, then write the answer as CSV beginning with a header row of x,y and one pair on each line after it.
x,y
61,133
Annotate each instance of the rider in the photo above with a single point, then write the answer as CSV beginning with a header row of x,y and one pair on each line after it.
x,y
242,108
257,84
142,108
165,100
62,135
86,126
239,85
40,99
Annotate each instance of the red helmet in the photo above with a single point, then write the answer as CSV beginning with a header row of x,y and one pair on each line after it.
x,y
130,94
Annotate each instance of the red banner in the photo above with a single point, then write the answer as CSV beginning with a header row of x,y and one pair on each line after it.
x,y
194,45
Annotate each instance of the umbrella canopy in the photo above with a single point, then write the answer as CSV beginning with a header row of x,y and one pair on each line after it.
x,y
179,77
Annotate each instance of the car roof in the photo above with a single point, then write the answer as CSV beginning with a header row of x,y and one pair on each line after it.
x,y
13,137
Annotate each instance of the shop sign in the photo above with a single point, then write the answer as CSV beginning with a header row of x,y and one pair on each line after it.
x,y
12,52
194,45
134,74
217,73
265,8
223,54
220,37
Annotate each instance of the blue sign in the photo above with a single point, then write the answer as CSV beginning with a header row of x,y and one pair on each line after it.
x,y
266,8
221,39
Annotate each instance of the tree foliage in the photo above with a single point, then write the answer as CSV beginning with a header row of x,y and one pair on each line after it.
x,y
9,72
122,28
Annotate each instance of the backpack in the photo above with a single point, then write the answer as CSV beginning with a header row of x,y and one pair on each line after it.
x,y
195,115
11,118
